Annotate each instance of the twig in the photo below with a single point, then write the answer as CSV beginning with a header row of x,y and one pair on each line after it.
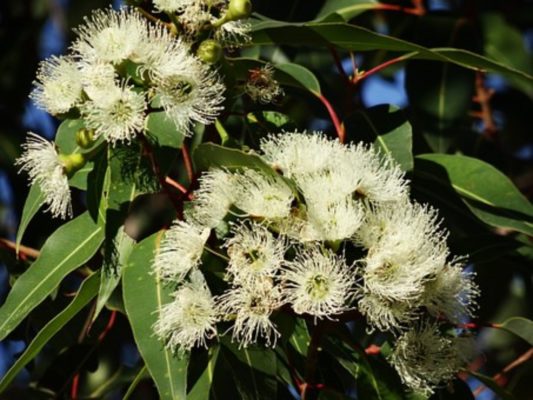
x,y
483,97
27,251
362,75
339,127
187,161
499,378
309,387
417,8
157,172
339,66
178,186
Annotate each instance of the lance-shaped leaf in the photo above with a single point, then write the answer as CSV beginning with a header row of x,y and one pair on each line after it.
x,y
144,295
388,128
521,327
69,247
254,369
488,193
202,386
210,155
288,74
162,130
356,38
86,292
346,9
33,203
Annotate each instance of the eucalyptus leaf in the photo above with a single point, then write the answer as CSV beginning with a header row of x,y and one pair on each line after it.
x,y
488,193
521,327
144,295
33,203
69,247
86,293
356,38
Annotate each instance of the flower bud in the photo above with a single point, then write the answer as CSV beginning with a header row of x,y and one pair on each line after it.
x,y
209,51
238,9
85,138
72,162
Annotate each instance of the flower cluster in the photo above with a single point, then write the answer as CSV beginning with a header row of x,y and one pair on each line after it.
x,y
323,229
121,67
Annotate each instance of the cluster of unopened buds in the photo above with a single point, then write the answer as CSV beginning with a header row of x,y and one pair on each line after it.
x,y
329,229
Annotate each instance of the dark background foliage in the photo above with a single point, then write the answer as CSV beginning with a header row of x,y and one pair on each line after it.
x,y
443,102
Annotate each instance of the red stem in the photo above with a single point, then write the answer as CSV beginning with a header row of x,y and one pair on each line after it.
x,y
75,386
187,161
378,68
339,127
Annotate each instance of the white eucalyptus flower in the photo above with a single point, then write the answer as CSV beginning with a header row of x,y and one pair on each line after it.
x,y
118,113
380,178
58,87
47,170
180,250
332,221
425,358
406,249
236,34
190,320
97,79
172,6
254,253
385,314
452,293
111,36
300,154
213,199
251,305
318,283
262,196
187,89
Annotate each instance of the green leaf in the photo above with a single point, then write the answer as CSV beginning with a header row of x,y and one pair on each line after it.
x,y
66,135
346,9
80,177
505,43
288,74
69,247
210,155
33,203
488,193
144,295
300,338
503,393
298,76
356,38
161,130
202,387
389,129
522,327
254,369
111,271
375,379
86,293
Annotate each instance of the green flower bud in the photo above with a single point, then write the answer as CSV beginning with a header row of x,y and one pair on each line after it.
x,y
209,51
85,138
238,9
72,162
